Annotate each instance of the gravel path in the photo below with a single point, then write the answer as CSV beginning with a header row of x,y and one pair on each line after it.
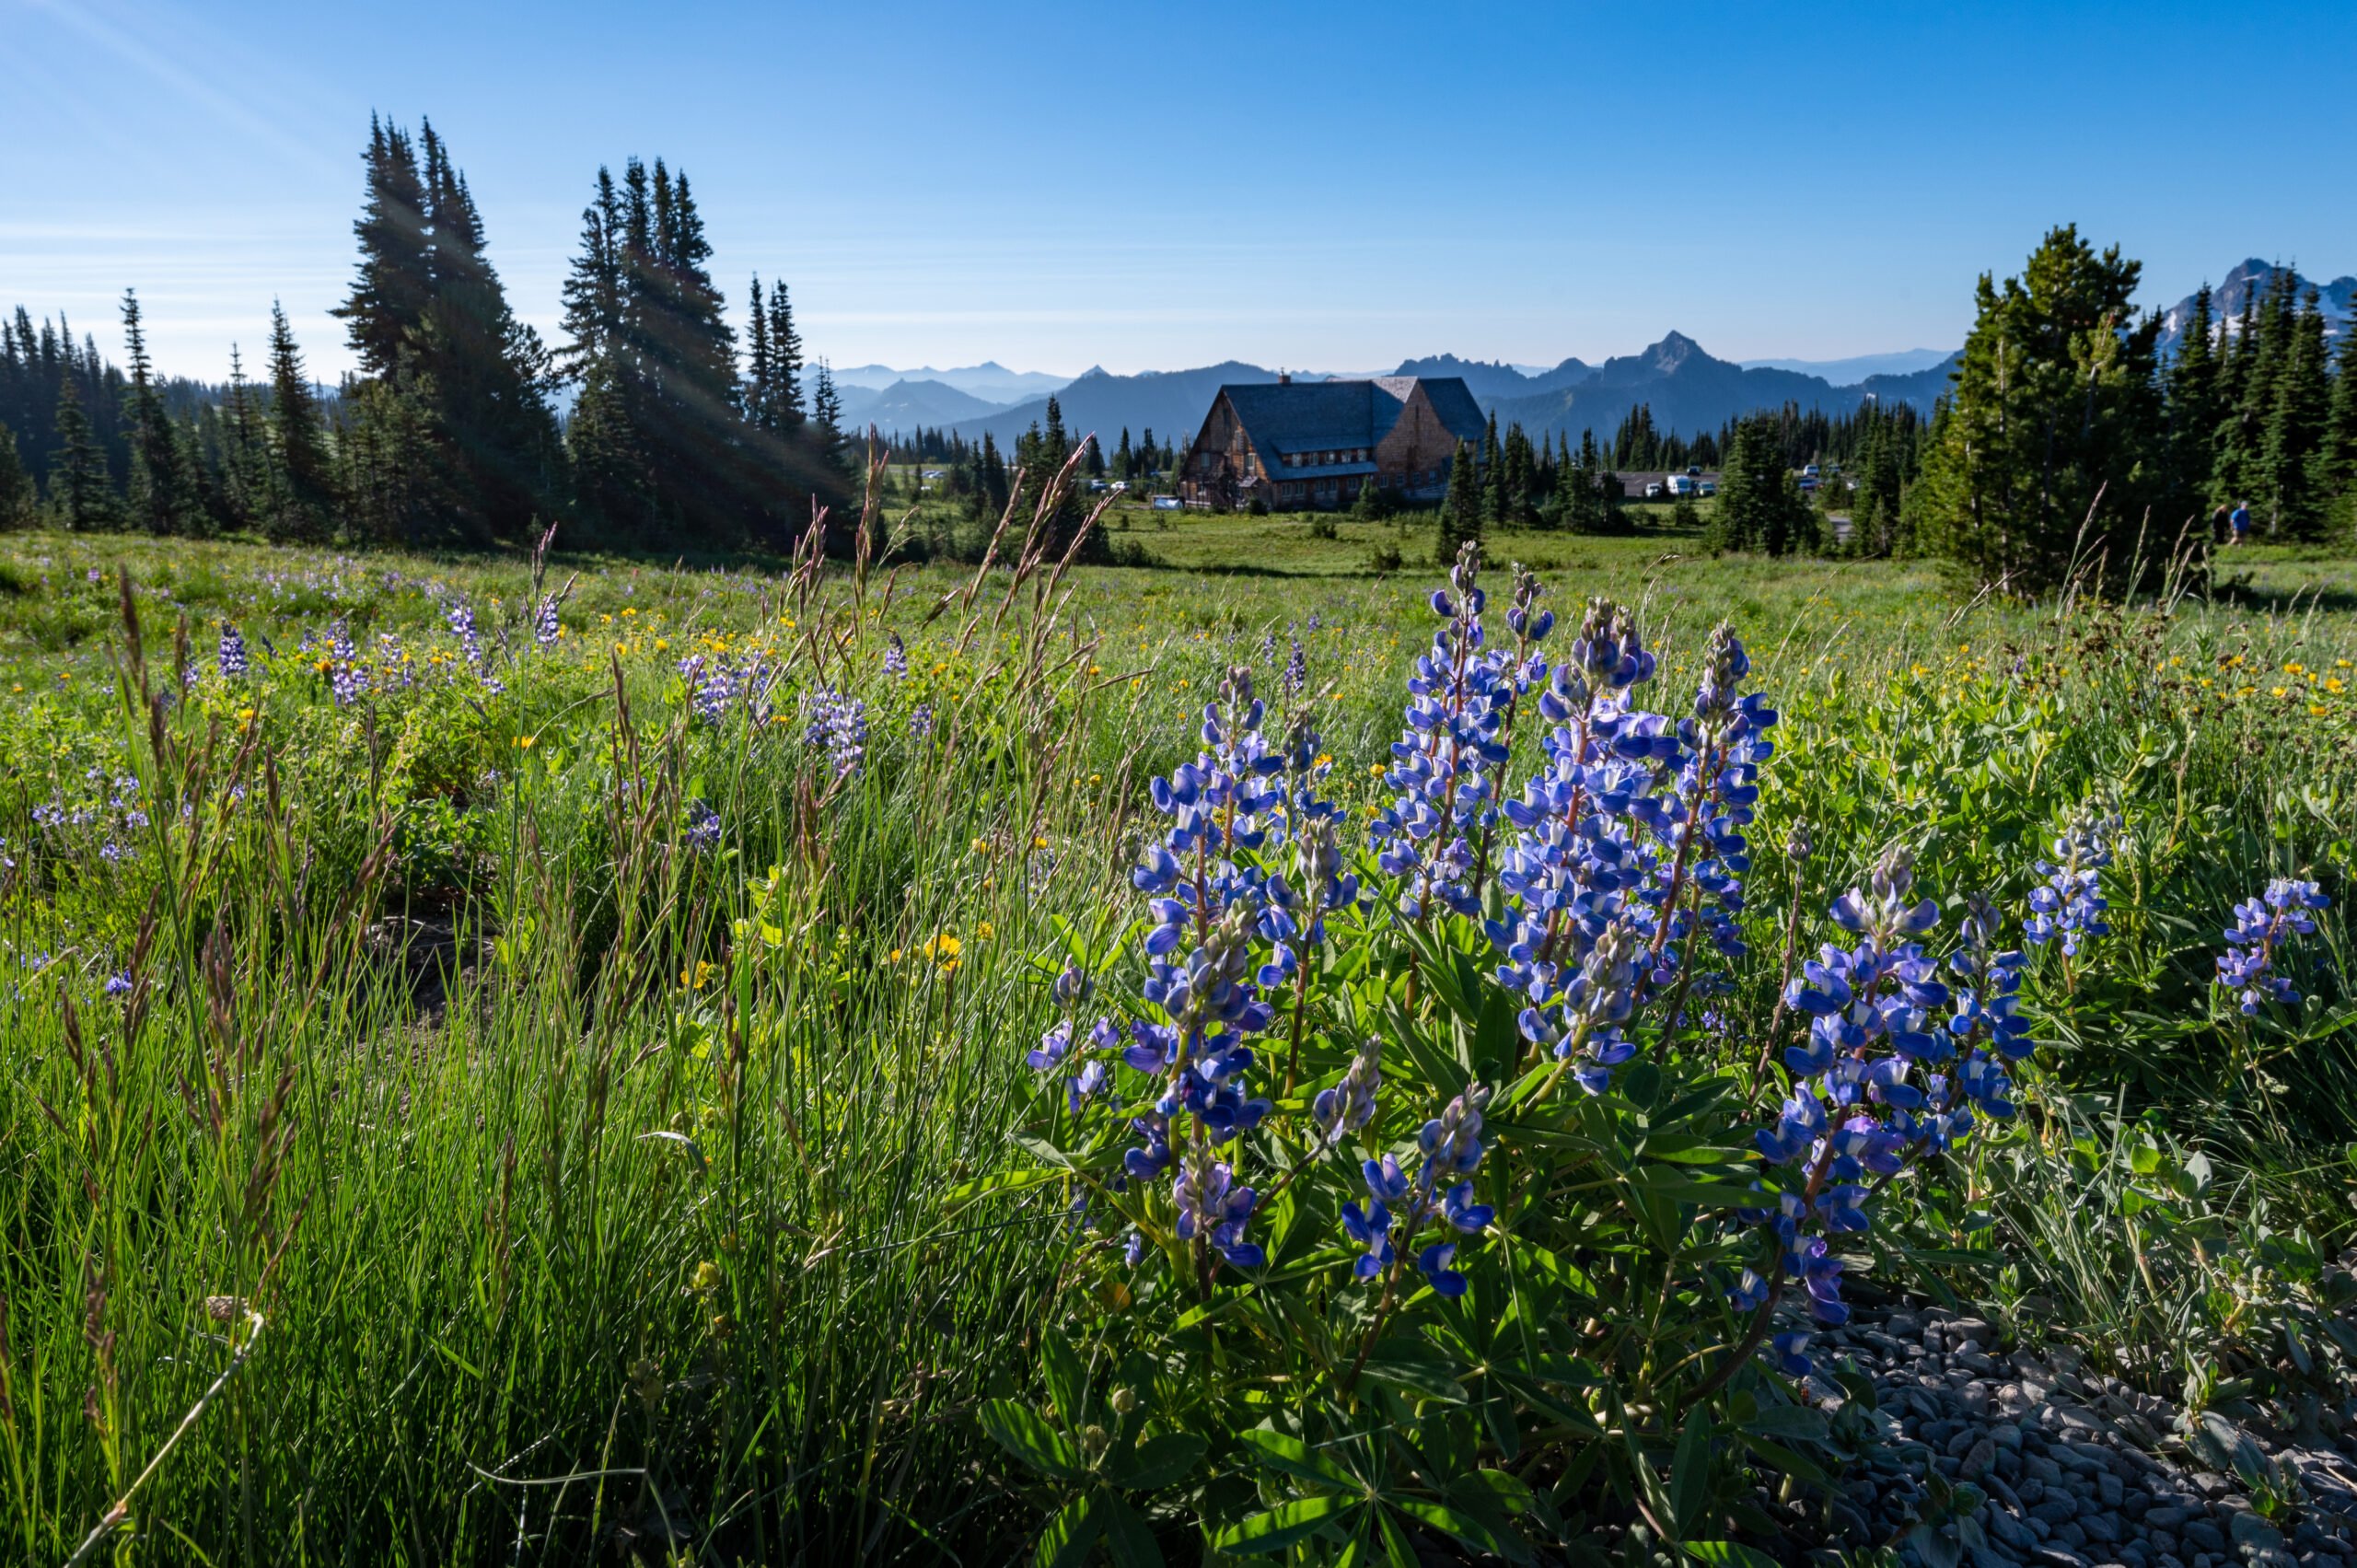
x,y
2079,1469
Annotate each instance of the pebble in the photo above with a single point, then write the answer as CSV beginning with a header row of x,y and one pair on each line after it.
x,y
2059,1452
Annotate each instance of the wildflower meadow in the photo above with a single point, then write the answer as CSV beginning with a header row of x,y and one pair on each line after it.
x,y
571,1060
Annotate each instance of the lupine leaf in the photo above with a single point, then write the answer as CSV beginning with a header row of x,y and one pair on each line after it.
x,y
1066,1541
1157,1463
1067,1380
1018,1429
1284,1524
1127,1539
1729,1554
1290,1455
1689,1474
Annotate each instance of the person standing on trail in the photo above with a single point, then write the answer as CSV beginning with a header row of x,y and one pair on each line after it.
x,y
2240,522
2219,532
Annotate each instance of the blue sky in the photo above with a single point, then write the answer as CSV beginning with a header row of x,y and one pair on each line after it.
x,y
1147,186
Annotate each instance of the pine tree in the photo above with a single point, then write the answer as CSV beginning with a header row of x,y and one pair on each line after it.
x,y
759,373
161,482
304,492
594,287
2338,460
79,491
487,372
2047,447
2296,425
1460,510
785,363
395,282
2190,397
1123,458
248,468
17,497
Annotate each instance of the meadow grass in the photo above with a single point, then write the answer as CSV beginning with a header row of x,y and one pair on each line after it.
x,y
560,1176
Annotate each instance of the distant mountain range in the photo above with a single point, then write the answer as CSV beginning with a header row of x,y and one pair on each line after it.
x,y
990,381
1850,372
2338,299
1688,389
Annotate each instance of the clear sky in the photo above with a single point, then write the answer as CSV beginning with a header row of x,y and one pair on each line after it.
x,y
1150,186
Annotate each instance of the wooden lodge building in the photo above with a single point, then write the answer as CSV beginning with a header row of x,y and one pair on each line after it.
x,y
1313,444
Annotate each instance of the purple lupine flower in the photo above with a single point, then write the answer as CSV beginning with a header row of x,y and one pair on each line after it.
x,y
921,721
1350,1105
837,725
233,654
1445,760
1211,1205
896,658
1296,676
2261,926
545,626
2070,903
703,826
118,982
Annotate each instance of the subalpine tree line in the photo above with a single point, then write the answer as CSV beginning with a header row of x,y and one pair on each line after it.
x,y
2071,445
448,434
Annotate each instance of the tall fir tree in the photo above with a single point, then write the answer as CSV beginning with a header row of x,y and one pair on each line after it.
x,y
785,361
2291,461
249,468
162,497
1460,510
2190,397
2044,455
79,491
304,494
395,280
17,501
2339,458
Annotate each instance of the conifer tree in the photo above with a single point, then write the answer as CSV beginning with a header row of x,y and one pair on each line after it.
x,y
162,482
785,363
1123,458
1460,510
2045,449
2338,460
594,289
395,282
16,499
79,491
827,416
2191,395
248,468
304,492
2290,463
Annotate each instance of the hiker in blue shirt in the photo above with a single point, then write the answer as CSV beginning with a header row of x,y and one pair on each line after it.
x,y
2240,522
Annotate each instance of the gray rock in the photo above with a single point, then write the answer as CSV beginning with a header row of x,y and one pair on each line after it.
x,y
2203,1536
2250,1533
1978,1458
2100,1527
2108,1491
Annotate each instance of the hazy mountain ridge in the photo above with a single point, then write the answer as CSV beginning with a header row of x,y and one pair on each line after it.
x,y
1687,389
2249,278
990,381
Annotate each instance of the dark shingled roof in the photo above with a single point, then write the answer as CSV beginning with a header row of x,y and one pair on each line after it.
x,y
1313,416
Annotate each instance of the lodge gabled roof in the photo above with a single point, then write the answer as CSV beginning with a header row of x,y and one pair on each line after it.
x,y
1311,416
